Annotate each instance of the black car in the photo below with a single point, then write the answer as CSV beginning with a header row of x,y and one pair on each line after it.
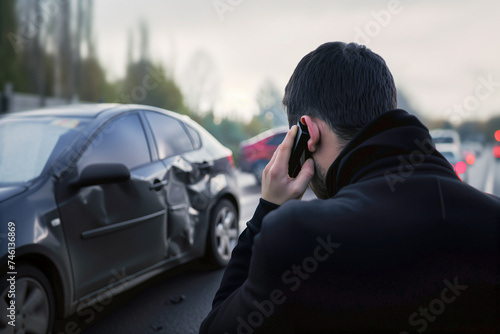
x,y
95,199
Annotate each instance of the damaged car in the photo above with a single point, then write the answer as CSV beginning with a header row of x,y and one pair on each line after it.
x,y
91,190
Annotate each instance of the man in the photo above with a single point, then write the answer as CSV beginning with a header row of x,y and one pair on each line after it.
x,y
395,241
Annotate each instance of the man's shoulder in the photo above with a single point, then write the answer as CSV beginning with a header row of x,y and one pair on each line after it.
x,y
298,229
303,221
300,212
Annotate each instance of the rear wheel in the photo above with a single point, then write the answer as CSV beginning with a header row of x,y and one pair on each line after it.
x,y
223,233
34,302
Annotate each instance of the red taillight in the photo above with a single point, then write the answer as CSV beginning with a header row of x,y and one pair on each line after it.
x,y
231,160
496,151
497,135
230,157
460,167
470,159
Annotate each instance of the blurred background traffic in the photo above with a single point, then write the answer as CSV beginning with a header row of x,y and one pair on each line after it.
x,y
225,63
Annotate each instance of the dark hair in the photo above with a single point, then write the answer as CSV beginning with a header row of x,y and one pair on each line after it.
x,y
345,85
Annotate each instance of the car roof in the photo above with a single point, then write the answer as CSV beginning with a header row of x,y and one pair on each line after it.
x,y
90,110
72,110
264,135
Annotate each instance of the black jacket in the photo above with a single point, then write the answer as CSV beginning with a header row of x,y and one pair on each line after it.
x,y
402,245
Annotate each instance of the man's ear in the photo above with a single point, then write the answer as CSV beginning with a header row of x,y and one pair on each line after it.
x,y
314,132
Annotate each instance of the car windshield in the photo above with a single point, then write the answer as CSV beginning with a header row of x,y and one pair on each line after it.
x,y
26,145
443,140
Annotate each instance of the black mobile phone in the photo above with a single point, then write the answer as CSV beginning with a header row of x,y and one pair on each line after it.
x,y
300,153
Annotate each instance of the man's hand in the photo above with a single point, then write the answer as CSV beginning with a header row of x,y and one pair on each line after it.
x,y
277,186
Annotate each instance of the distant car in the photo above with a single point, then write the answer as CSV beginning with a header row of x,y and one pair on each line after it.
x,y
446,139
448,143
257,151
459,165
473,146
95,199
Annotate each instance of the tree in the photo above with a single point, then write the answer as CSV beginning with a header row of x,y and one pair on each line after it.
x,y
64,70
200,81
149,83
8,57
489,128
269,100
93,86
22,34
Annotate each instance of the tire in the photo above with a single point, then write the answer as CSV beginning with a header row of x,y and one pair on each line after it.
x,y
34,302
223,233
257,170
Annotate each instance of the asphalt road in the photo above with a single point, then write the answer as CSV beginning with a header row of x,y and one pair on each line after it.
x,y
177,301
485,173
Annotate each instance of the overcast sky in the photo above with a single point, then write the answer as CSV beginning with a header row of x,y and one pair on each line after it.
x,y
444,55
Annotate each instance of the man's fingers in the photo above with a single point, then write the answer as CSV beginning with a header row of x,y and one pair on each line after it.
x,y
273,158
269,165
277,186
287,143
285,149
306,173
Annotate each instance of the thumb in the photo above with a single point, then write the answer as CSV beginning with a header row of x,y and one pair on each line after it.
x,y
306,172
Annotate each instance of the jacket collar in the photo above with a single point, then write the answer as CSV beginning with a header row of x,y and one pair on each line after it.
x,y
395,143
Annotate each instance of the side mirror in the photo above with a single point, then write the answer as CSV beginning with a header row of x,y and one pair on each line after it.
x,y
101,174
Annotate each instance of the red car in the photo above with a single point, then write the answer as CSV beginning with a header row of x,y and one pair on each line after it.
x,y
257,151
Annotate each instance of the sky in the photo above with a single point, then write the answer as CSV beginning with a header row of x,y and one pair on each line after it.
x,y
443,54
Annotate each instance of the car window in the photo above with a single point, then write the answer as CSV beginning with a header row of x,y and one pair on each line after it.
x,y
122,141
211,145
195,137
277,139
170,137
443,140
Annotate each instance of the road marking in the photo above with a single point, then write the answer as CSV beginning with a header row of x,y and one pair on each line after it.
x,y
488,186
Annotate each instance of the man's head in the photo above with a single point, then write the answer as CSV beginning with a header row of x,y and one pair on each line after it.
x,y
340,88
345,85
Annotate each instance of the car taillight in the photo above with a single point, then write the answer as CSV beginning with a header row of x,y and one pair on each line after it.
x,y
496,151
470,159
230,158
460,167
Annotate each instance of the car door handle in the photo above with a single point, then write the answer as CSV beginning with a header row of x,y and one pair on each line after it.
x,y
157,185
